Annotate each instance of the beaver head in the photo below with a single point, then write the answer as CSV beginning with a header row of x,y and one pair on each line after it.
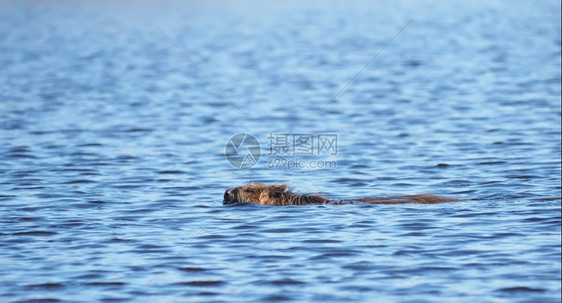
x,y
279,194
255,193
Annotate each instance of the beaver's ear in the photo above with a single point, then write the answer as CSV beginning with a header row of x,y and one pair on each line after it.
x,y
279,187
276,191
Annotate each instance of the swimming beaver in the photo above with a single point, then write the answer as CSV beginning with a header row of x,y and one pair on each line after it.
x,y
281,194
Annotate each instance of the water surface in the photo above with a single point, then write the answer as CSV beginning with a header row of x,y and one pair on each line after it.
x,y
112,166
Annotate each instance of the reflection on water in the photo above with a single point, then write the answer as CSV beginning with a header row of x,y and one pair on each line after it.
x,y
112,169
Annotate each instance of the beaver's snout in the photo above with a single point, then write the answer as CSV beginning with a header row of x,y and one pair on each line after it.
x,y
228,197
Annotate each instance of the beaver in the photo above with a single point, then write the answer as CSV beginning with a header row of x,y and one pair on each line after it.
x,y
282,194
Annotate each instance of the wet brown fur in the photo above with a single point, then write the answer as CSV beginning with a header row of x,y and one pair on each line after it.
x,y
282,194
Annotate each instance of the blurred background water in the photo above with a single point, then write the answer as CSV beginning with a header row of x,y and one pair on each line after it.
x,y
112,165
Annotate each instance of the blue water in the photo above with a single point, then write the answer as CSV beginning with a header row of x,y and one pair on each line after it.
x,y
112,166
